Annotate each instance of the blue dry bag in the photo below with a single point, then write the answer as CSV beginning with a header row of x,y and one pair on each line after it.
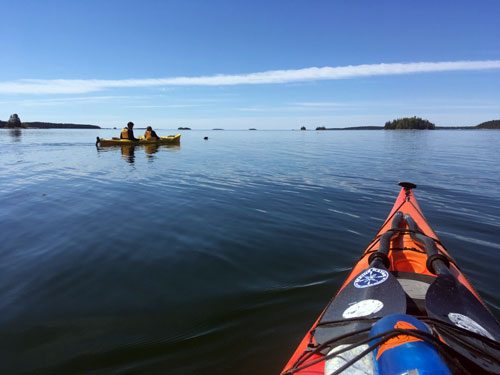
x,y
405,354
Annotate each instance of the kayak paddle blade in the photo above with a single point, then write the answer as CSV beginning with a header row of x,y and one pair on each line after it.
x,y
450,301
374,292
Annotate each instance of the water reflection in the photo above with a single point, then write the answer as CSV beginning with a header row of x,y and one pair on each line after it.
x,y
151,150
128,151
16,134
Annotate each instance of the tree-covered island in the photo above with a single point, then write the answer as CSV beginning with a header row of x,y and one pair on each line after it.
x,y
409,123
493,124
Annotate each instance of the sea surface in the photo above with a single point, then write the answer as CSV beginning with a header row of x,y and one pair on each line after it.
x,y
215,256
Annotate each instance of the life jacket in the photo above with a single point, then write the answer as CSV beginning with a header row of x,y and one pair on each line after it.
x,y
148,134
124,134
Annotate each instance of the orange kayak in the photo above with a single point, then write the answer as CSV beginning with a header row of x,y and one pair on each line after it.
x,y
405,308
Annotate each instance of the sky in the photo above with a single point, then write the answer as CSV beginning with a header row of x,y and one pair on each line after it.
x,y
241,64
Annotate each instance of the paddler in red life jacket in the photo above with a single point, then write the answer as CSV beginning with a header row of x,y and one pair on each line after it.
x,y
150,133
128,133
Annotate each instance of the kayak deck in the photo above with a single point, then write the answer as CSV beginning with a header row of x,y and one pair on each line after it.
x,y
410,264
171,139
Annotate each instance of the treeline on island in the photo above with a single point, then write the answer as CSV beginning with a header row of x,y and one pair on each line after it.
x,y
493,124
14,122
416,123
409,123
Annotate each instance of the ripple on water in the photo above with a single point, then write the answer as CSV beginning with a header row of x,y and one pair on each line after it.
x,y
221,251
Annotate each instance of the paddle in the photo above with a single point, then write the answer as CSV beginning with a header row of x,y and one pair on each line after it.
x,y
373,292
450,301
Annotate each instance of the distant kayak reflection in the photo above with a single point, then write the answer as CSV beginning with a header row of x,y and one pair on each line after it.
x,y
128,152
151,150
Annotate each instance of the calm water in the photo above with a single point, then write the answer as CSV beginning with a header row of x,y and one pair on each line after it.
x,y
215,256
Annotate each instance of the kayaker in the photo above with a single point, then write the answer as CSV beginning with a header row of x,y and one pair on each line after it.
x,y
150,133
128,132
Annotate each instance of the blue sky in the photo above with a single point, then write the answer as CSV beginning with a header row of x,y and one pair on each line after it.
x,y
240,64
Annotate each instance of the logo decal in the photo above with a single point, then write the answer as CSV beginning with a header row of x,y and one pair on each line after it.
x,y
363,308
372,276
469,324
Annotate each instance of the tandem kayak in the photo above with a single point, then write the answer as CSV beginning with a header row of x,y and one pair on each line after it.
x,y
405,308
171,139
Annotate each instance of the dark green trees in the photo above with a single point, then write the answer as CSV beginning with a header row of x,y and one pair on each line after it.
x,y
409,123
14,121
493,124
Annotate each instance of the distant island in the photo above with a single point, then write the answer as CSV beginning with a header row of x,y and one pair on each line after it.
x,y
416,123
409,123
14,122
493,124
183,128
50,125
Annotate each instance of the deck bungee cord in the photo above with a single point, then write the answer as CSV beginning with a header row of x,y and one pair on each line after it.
x,y
447,329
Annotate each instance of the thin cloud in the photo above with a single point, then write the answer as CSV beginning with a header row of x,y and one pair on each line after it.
x,y
79,86
296,108
71,100
165,106
320,104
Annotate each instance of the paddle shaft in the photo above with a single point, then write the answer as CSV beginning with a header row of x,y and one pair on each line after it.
x,y
437,262
380,259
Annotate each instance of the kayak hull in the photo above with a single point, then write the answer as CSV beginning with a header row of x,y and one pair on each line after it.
x,y
407,263
170,140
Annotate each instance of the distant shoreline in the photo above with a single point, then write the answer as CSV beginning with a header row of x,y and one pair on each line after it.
x,y
492,126
48,125
382,128
415,123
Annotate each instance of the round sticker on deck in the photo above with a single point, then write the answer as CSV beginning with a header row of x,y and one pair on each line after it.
x,y
372,276
363,308
469,324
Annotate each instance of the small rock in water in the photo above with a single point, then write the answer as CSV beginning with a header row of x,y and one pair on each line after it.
x,y
205,138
